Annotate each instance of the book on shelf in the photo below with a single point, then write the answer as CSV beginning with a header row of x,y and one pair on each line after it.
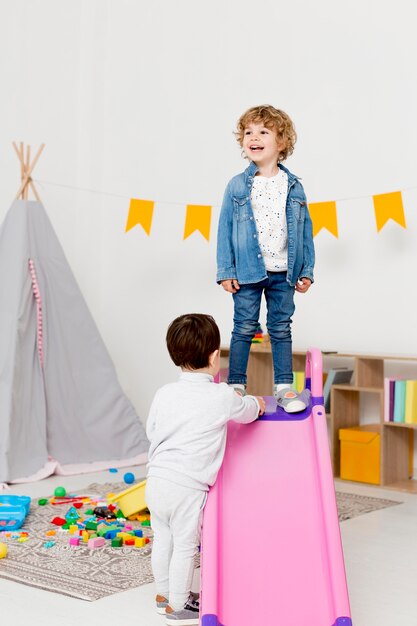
x,y
399,401
335,376
410,412
389,389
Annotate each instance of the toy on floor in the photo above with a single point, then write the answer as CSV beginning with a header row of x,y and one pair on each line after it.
x,y
131,501
3,550
104,511
76,500
95,530
13,511
129,478
103,524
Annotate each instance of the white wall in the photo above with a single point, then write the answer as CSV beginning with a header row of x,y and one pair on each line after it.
x,y
140,99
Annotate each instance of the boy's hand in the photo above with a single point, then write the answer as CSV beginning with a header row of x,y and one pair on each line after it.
x,y
303,285
261,404
231,285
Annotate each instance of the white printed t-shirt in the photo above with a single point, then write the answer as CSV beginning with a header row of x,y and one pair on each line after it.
x,y
269,199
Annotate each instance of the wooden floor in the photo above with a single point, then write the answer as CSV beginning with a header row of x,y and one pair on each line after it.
x,y
380,555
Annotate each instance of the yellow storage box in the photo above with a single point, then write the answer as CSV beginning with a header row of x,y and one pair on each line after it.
x,y
130,500
360,453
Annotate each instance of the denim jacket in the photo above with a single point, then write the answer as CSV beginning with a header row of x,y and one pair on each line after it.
x,y
238,252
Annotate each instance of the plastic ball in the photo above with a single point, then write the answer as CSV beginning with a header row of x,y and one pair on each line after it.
x,y
60,492
129,478
3,550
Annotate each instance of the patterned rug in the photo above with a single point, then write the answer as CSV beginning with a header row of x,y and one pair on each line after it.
x,y
92,574
351,505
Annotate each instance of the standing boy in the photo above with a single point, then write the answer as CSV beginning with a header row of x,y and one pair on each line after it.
x,y
265,245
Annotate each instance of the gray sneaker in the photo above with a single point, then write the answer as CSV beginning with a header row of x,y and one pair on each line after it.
x,y
292,401
161,604
188,616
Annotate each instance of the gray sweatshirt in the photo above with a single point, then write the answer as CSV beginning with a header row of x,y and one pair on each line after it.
x,y
187,427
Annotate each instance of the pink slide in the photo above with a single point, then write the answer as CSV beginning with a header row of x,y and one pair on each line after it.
x,y
271,549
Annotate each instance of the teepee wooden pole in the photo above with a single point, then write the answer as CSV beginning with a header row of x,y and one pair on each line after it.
x,y
35,193
22,161
26,169
19,156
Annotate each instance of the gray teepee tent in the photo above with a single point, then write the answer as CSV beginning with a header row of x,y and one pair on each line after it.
x,y
59,394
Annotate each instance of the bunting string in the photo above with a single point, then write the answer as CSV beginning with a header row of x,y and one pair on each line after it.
x,y
387,206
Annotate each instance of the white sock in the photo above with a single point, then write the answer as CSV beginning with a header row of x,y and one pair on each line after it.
x,y
281,386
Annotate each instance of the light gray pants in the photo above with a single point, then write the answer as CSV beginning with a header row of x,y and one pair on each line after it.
x,y
176,516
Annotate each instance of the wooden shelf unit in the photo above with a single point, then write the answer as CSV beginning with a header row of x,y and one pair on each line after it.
x,y
368,378
396,439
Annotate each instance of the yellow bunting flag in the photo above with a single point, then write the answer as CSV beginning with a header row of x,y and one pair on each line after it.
x,y
197,217
389,206
140,212
323,215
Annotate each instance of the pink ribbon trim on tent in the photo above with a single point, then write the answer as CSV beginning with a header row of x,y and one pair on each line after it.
x,y
39,319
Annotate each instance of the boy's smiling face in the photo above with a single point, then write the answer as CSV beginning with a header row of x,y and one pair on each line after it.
x,y
261,144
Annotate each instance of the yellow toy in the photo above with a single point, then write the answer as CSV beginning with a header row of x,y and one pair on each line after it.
x,y
130,500
3,550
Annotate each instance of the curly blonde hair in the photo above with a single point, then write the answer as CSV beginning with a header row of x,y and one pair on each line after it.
x,y
272,118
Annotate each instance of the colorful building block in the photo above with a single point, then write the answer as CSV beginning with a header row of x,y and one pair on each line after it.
x,y
123,535
117,542
72,514
96,542
111,534
139,542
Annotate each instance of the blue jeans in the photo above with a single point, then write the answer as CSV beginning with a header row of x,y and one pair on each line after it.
x,y
279,296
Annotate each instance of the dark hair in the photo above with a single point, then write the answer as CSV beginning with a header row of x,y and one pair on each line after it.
x,y
191,339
